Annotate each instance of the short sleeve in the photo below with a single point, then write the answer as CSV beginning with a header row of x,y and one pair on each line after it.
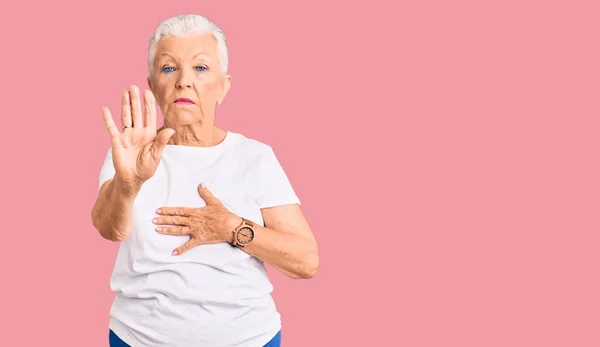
x,y
274,187
107,171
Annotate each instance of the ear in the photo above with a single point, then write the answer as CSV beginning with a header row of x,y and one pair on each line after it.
x,y
224,89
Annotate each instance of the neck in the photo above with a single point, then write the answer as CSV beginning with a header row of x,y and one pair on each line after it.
x,y
200,135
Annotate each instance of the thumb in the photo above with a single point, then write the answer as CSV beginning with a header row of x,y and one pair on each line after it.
x,y
161,141
207,195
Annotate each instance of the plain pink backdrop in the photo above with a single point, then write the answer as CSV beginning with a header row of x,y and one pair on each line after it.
x,y
446,154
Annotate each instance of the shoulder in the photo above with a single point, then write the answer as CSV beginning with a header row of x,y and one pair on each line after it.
x,y
250,146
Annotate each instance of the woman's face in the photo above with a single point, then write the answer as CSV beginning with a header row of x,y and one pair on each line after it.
x,y
188,67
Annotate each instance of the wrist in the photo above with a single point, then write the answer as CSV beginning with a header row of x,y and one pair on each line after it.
x,y
127,189
231,223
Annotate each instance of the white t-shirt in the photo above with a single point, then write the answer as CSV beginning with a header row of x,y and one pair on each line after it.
x,y
212,295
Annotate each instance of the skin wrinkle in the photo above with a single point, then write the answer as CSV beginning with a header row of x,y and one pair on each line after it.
x,y
285,241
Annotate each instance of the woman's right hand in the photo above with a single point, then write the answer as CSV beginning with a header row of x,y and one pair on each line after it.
x,y
137,150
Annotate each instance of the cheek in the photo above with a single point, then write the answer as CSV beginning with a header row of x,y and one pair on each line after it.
x,y
162,91
160,80
162,96
208,90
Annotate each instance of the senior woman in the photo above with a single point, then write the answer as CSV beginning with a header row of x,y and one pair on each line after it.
x,y
197,209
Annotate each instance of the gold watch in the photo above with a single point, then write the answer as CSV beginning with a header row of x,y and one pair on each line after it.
x,y
243,234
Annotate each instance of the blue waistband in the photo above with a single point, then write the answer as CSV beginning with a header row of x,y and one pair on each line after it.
x,y
115,341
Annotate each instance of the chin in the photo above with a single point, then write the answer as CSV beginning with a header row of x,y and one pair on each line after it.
x,y
183,117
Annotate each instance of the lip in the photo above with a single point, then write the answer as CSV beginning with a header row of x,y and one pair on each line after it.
x,y
183,101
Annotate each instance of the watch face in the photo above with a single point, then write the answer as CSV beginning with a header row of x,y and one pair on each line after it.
x,y
245,235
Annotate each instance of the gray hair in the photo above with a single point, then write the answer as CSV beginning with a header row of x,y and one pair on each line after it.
x,y
186,24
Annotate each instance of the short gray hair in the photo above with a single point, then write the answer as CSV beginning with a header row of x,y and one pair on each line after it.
x,y
186,24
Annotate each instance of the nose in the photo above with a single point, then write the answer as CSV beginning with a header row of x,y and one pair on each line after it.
x,y
184,79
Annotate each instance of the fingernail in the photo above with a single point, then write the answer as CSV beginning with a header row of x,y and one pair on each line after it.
x,y
158,229
203,185
154,220
174,253
158,211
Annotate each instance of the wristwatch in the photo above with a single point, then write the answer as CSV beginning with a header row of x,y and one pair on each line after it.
x,y
243,234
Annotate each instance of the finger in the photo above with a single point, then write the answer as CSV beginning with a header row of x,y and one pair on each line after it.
x,y
109,122
149,110
171,220
136,107
160,142
207,195
177,230
126,110
186,247
174,211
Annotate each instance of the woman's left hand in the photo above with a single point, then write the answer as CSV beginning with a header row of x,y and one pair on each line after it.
x,y
210,224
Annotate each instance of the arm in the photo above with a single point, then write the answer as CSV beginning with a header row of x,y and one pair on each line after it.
x,y
133,158
112,211
286,241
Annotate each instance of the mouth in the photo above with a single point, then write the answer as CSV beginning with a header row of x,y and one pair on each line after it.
x,y
184,101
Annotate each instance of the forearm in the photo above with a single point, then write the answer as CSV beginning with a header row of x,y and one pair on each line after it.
x,y
294,255
113,210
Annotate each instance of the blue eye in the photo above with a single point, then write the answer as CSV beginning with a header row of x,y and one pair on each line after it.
x,y
165,69
201,68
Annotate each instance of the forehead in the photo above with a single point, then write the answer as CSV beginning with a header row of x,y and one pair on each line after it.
x,y
187,47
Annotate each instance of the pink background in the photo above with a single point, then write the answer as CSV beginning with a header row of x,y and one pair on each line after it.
x,y
446,154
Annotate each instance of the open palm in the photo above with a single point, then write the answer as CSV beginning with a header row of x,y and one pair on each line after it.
x,y
137,150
